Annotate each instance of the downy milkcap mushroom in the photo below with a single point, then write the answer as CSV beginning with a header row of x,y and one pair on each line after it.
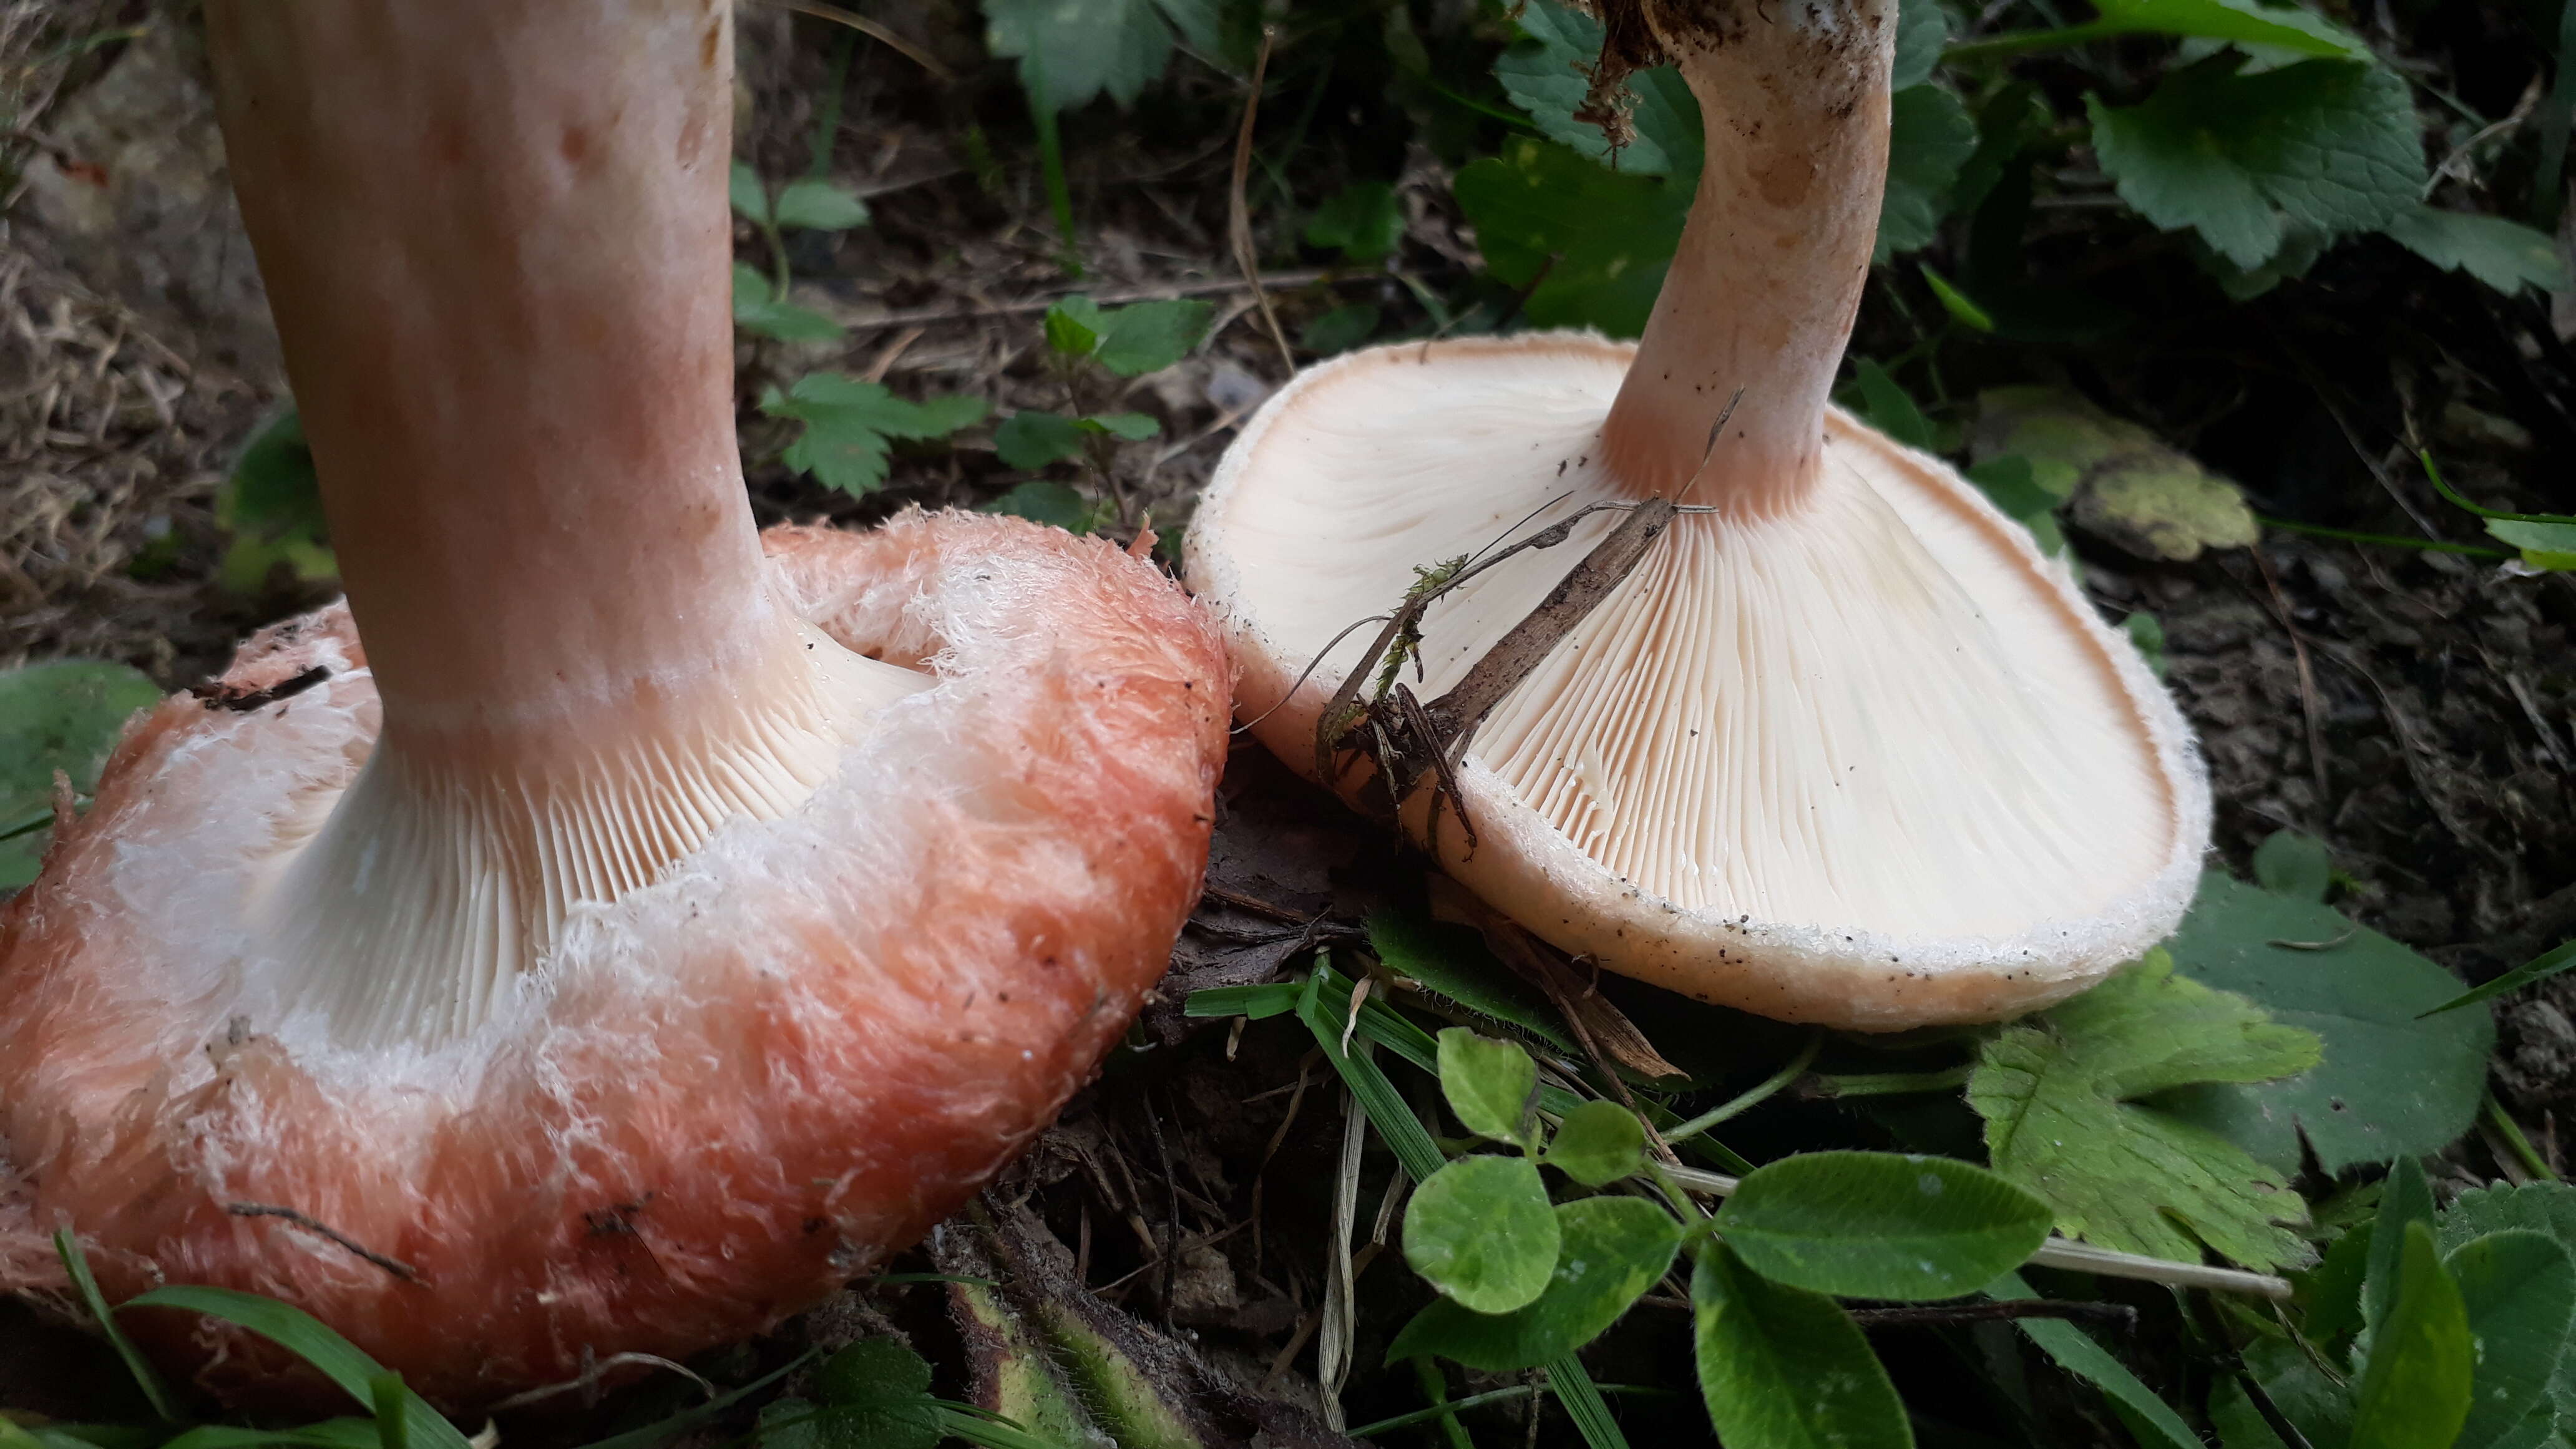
x,y
598,936
1843,748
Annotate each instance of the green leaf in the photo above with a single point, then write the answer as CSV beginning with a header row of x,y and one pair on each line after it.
x,y
1783,1368
1404,1133
2539,968
1962,308
1612,1250
1922,28
1451,961
2150,1419
2390,1085
2291,33
305,1336
1549,77
85,1286
1046,501
848,424
2505,255
1340,329
2329,1294
1362,221
1598,1143
877,1396
63,716
749,197
2544,545
2011,485
1480,1230
1151,336
1877,1225
2290,864
1073,326
2547,1208
2147,635
2519,1290
2127,484
1133,427
2063,1098
818,205
2414,1392
1492,1086
1931,137
2239,157
1030,440
1604,238
1071,51
272,505
2404,1199
757,310
1886,406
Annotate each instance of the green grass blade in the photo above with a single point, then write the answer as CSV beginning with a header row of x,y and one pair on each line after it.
x,y
329,1434
83,1283
1583,1404
663,1430
300,1333
2539,968
1322,1010
990,1431
393,1431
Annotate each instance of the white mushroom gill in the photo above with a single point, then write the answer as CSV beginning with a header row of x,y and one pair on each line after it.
x,y
1870,711
410,903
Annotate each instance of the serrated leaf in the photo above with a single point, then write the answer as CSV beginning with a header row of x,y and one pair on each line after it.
x,y
1151,336
65,716
1481,1231
1612,1249
1071,51
1922,28
2062,1098
1549,76
2390,1085
1362,221
749,197
1783,1368
2125,483
2290,864
1930,137
1490,1085
2238,157
1605,238
2414,1392
2506,255
1451,961
1598,1143
848,423
1030,440
2519,1290
1878,1225
817,205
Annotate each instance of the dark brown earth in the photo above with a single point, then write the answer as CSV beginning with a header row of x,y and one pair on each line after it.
x,y
2417,711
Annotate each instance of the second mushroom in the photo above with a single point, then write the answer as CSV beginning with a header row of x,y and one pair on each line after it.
x,y
1844,747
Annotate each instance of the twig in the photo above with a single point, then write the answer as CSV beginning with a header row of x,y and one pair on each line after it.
x,y
2066,1253
1238,209
396,1266
2307,676
2119,1315
893,352
869,28
588,1381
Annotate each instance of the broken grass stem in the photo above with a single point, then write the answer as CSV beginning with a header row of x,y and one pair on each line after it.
x,y
2066,1253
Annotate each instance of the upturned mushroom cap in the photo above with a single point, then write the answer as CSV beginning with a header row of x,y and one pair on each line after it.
x,y
730,1090
1844,747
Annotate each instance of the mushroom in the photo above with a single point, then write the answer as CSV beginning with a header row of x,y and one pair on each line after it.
x,y
1844,748
604,934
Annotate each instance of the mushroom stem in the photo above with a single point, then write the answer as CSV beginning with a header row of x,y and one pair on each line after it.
x,y
1768,277
496,240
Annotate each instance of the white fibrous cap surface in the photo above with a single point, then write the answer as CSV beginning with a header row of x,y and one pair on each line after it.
x,y
1876,734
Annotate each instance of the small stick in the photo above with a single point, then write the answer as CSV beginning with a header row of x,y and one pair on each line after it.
x,y
400,1269
1239,209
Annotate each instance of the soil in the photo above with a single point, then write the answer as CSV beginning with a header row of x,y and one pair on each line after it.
x,y
2415,710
